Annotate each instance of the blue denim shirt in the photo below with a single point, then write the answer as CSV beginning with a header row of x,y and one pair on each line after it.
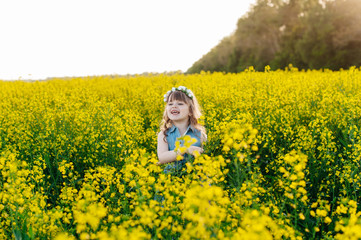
x,y
172,135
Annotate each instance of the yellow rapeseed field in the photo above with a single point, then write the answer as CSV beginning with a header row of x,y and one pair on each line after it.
x,y
282,161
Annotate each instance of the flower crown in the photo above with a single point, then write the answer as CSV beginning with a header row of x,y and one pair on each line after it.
x,y
183,89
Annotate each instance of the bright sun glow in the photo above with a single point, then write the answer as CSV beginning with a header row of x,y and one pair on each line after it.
x,y
60,38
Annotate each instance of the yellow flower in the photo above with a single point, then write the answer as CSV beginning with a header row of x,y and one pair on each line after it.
x,y
328,220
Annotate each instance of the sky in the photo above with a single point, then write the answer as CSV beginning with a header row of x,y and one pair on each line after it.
x,y
67,38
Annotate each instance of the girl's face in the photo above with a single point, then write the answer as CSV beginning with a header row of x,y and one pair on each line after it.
x,y
177,110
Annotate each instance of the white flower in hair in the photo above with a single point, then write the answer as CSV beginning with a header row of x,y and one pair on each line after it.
x,y
183,89
166,96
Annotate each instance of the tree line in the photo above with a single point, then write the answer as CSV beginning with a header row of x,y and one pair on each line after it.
x,y
309,34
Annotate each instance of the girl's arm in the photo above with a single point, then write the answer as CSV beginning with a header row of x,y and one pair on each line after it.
x,y
164,155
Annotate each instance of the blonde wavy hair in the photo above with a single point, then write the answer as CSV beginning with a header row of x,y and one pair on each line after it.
x,y
194,110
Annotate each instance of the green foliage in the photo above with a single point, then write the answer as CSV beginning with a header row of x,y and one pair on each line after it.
x,y
308,34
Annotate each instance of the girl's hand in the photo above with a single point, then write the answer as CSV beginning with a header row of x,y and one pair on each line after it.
x,y
191,150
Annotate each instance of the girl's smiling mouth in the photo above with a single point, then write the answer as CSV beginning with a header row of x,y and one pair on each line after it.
x,y
174,112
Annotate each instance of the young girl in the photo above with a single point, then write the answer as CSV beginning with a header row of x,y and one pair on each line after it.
x,y
180,118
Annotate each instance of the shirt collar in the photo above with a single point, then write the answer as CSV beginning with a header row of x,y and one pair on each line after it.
x,y
173,128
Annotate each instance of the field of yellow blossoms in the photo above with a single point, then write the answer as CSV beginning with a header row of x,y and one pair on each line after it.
x,y
282,161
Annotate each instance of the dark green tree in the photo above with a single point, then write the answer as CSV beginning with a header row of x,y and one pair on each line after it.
x,y
258,35
309,34
346,37
315,47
